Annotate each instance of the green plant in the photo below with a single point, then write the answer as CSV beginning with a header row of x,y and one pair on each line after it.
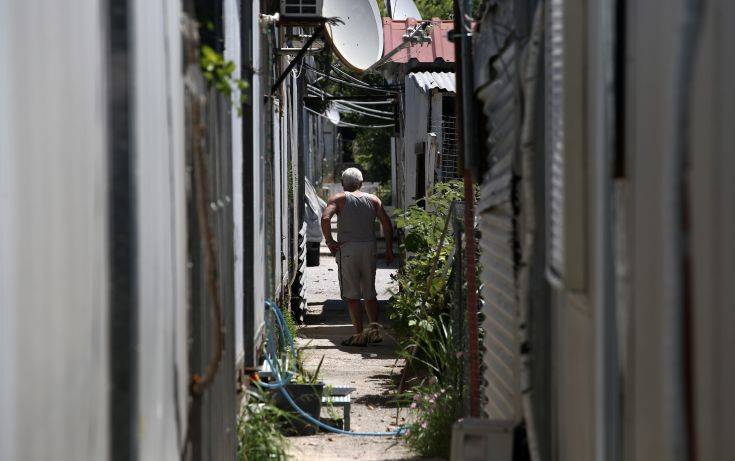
x,y
436,408
435,350
371,150
258,429
219,73
328,389
291,325
385,193
302,375
423,279
420,315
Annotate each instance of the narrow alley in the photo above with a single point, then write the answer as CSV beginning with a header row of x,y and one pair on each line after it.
x,y
368,370
537,195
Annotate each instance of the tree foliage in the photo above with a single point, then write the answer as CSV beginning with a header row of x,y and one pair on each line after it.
x,y
442,9
371,150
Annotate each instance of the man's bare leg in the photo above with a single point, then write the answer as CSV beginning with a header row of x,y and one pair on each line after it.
x,y
356,314
371,307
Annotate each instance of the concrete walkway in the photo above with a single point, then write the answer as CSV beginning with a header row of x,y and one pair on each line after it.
x,y
367,369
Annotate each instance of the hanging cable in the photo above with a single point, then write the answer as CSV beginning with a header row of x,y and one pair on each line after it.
x,y
345,74
360,112
321,93
363,86
347,124
365,109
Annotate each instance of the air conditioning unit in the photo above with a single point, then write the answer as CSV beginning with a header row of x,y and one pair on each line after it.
x,y
476,439
302,9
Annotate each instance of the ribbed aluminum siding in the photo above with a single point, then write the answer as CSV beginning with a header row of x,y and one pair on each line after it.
x,y
498,211
555,137
54,254
428,80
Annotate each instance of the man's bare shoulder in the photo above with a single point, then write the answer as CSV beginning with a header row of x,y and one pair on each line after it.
x,y
337,200
374,198
339,196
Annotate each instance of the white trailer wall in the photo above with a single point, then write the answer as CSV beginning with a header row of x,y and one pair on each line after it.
x,y
53,231
232,53
161,207
255,174
415,117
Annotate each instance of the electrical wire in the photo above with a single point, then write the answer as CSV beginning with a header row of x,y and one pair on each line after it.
x,y
365,110
361,85
345,74
366,103
347,124
357,111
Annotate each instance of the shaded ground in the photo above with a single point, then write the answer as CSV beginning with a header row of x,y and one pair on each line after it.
x,y
367,369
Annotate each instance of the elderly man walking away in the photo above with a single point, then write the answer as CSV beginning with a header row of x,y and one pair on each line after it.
x,y
355,251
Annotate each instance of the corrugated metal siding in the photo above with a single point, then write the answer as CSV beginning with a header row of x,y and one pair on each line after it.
x,y
499,243
53,231
430,80
254,122
415,116
555,137
162,375
214,412
439,50
233,53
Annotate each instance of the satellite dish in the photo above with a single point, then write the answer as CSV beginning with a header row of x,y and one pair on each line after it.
x,y
404,9
358,42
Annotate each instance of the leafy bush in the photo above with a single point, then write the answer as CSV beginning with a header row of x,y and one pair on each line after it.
x,y
421,295
258,430
220,73
434,349
420,314
371,150
436,409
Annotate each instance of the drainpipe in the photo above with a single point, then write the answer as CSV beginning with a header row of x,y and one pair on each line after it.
x,y
467,144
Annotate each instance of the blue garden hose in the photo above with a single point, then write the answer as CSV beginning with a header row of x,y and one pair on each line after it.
x,y
280,383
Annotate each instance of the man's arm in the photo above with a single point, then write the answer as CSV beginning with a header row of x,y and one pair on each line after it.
x,y
330,210
387,229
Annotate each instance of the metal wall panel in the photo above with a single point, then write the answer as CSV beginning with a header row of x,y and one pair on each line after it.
x,y
279,146
647,134
415,122
161,206
254,121
53,231
209,144
713,228
232,53
555,139
498,210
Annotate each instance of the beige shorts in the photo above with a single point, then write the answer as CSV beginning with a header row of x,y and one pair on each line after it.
x,y
356,264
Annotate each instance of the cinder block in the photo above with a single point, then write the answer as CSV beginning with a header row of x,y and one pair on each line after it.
x,y
476,439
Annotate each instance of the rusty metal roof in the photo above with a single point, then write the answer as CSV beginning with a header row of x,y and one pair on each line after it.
x,y
439,50
428,80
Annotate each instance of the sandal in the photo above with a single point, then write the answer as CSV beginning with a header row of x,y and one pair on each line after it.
x,y
373,334
355,341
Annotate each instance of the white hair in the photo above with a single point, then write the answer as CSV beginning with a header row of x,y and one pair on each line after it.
x,y
351,179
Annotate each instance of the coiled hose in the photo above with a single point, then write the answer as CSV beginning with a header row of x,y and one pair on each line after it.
x,y
272,358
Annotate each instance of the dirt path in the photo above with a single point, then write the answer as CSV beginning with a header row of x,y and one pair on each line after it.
x,y
367,369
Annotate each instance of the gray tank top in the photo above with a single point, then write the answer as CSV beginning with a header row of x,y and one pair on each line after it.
x,y
356,219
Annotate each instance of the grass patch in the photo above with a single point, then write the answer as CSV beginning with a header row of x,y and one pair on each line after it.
x,y
258,430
